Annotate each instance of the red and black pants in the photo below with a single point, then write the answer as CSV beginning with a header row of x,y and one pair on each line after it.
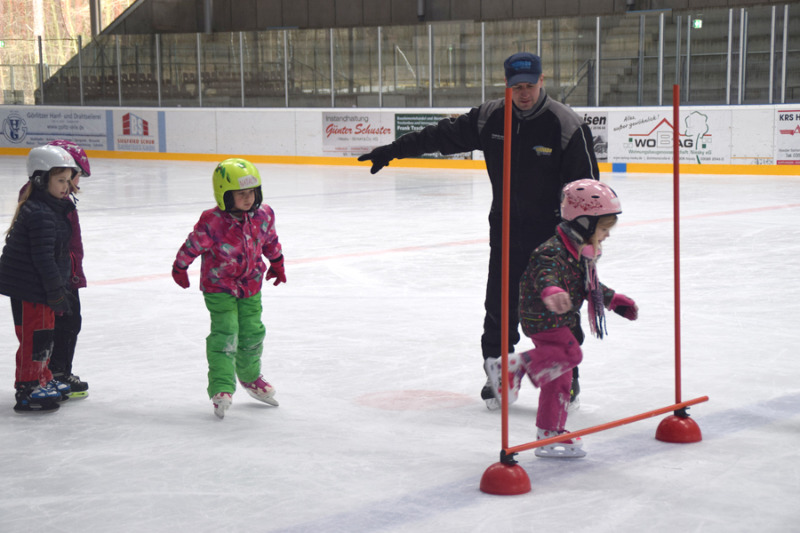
x,y
34,324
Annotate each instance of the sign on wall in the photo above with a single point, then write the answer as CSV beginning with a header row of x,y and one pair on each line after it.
x,y
408,122
137,131
647,136
30,127
134,131
787,136
598,123
351,134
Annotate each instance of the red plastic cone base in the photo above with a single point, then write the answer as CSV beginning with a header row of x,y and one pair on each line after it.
x,y
678,429
505,480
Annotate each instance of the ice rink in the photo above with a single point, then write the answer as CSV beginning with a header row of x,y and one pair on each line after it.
x,y
373,347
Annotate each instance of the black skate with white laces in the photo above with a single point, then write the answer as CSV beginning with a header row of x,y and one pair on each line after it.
x,y
78,388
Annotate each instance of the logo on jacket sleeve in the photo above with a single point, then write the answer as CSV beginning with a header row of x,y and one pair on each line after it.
x,y
543,150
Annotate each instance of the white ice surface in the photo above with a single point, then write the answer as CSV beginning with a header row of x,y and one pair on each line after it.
x,y
373,346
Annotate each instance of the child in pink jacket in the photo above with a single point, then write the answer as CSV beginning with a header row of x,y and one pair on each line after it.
x,y
230,239
560,276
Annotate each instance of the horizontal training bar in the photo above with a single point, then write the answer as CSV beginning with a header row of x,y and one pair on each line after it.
x,y
608,425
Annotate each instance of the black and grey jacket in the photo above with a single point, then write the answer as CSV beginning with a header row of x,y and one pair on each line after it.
x,y
550,147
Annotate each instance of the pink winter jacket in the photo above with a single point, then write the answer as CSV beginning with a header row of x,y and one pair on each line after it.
x,y
231,250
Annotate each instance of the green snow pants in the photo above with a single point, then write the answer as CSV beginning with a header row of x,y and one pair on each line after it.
x,y
234,346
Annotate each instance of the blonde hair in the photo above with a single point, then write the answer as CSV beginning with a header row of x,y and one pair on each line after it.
x,y
604,222
22,199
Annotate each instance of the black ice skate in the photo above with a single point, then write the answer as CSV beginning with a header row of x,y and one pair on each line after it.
x,y
78,388
33,398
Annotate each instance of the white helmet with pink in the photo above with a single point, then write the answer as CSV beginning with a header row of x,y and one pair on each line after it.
x,y
584,201
77,154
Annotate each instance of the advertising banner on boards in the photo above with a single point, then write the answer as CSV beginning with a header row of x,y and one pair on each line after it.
x,y
646,136
598,123
139,131
407,122
119,129
787,136
352,133
26,127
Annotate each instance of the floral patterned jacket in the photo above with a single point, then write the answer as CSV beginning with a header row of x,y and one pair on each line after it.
x,y
231,250
554,264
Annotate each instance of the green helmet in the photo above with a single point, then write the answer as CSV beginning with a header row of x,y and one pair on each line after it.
x,y
234,175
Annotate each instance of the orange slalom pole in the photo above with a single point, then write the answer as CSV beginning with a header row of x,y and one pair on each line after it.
x,y
676,163
609,425
505,264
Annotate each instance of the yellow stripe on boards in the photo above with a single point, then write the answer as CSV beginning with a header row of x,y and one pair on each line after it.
x,y
456,164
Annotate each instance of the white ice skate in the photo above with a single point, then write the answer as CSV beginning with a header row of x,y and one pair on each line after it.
x,y
494,369
569,448
492,402
261,390
222,401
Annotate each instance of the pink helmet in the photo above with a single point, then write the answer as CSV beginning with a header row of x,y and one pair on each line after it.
x,y
77,154
584,201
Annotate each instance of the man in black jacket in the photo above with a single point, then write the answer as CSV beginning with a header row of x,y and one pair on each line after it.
x,y
550,147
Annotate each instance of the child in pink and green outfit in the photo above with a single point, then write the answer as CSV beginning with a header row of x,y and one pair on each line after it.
x,y
231,239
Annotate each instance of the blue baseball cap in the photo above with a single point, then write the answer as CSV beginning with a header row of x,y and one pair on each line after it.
x,y
522,67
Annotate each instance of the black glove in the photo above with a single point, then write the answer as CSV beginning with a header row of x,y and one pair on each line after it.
x,y
61,302
380,157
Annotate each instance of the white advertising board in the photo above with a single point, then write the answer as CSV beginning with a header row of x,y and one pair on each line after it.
x,y
787,135
141,130
26,127
255,131
646,136
352,133
190,131
739,135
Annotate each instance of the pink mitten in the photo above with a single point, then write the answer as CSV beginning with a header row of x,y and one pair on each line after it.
x,y
180,276
276,270
624,306
556,300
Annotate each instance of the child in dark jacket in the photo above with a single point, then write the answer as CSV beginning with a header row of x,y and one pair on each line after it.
x,y
562,274
34,267
231,240
68,326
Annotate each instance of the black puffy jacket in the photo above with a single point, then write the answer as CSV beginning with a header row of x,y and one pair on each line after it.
x,y
549,148
35,260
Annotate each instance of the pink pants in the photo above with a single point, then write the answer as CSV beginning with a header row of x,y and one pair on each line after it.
x,y
549,366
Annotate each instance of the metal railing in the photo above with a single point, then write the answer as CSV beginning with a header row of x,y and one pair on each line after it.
x,y
741,56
